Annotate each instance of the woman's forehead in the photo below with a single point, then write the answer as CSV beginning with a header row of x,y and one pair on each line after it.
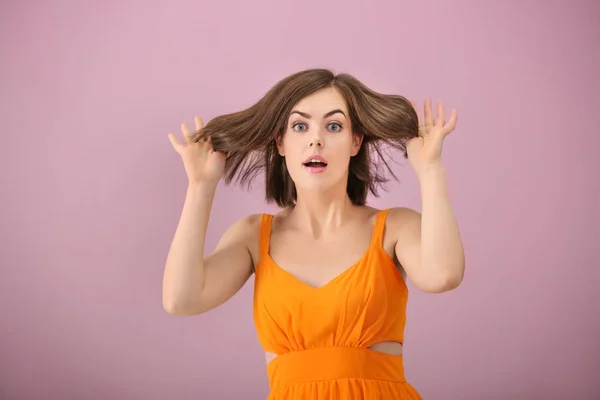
x,y
322,102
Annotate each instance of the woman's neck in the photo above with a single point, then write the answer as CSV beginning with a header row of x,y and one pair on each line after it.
x,y
323,211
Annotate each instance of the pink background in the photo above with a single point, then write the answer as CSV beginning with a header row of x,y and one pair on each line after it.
x,y
92,190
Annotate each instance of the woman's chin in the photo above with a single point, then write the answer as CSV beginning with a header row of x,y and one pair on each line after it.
x,y
318,185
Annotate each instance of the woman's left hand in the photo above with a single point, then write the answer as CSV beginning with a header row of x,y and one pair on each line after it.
x,y
425,151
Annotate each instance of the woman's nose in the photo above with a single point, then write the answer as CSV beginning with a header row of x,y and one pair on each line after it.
x,y
316,141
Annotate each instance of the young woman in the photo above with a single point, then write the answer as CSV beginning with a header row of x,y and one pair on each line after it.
x,y
330,293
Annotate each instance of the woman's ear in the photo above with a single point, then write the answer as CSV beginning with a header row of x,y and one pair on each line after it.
x,y
356,143
279,141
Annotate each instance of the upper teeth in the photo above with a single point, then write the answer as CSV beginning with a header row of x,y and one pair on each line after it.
x,y
314,160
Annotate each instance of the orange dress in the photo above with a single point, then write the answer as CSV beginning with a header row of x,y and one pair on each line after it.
x,y
321,335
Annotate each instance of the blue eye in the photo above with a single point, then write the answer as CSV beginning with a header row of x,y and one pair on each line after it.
x,y
295,126
339,127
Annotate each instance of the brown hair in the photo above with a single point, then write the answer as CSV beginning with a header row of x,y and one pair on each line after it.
x,y
248,137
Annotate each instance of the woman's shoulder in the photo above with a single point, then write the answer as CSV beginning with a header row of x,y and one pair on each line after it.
x,y
246,227
403,218
251,223
402,213
394,214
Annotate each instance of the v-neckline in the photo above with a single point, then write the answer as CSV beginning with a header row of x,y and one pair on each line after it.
x,y
331,282
336,278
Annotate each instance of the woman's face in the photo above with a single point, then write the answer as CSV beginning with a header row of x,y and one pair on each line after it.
x,y
318,141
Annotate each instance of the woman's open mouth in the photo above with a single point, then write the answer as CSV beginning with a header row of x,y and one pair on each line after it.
x,y
315,164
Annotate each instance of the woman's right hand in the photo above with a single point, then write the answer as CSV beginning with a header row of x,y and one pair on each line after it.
x,y
202,164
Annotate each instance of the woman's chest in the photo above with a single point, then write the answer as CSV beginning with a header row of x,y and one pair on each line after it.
x,y
318,262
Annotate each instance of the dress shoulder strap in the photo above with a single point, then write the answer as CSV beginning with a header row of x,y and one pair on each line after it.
x,y
379,229
265,233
